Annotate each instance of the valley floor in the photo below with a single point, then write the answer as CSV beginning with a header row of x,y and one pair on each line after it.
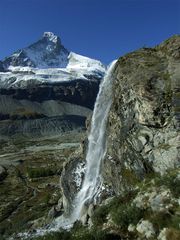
x,y
30,186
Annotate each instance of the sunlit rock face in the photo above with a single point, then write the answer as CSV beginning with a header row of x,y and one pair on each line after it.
x,y
143,120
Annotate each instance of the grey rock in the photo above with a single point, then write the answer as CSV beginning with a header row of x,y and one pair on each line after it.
x,y
59,206
143,120
68,182
53,212
146,229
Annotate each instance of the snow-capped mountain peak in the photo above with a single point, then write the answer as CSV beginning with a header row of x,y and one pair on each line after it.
x,y
47,61
45,53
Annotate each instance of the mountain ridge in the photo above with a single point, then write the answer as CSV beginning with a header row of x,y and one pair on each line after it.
x,y
47,52
47,61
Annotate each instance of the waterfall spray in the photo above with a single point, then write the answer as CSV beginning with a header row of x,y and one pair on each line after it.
x,y
97,145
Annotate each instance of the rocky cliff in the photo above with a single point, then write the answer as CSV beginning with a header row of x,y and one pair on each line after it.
x,y
141,166
143,120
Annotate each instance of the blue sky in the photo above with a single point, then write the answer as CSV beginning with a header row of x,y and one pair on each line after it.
x,y
101,29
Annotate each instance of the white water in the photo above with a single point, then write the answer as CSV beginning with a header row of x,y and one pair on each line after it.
x,y
96,147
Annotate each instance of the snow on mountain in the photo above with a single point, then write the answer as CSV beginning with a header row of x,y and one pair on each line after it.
x,y
79,61
46,52
47,61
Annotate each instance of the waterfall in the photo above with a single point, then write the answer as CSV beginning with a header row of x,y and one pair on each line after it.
x,y
95,154
96,147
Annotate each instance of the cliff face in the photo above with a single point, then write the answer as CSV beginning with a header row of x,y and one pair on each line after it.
x,y
141,166
142,129
143,120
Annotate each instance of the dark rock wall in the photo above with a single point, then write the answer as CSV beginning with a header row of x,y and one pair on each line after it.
x,y
78,92
75,97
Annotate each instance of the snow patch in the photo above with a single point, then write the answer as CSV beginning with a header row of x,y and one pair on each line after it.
x,y
79,61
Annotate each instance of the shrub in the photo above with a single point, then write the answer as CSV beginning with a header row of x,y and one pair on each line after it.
x,y
100,215
104,235
82,234
116,204
173,234
63,235
160,220
171,181
165,219
39,172
126,214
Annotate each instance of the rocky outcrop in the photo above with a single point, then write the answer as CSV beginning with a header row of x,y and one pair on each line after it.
x,y
143,120
71,180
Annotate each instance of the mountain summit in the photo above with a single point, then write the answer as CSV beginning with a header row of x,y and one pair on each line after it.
x,y
47,52
47,61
